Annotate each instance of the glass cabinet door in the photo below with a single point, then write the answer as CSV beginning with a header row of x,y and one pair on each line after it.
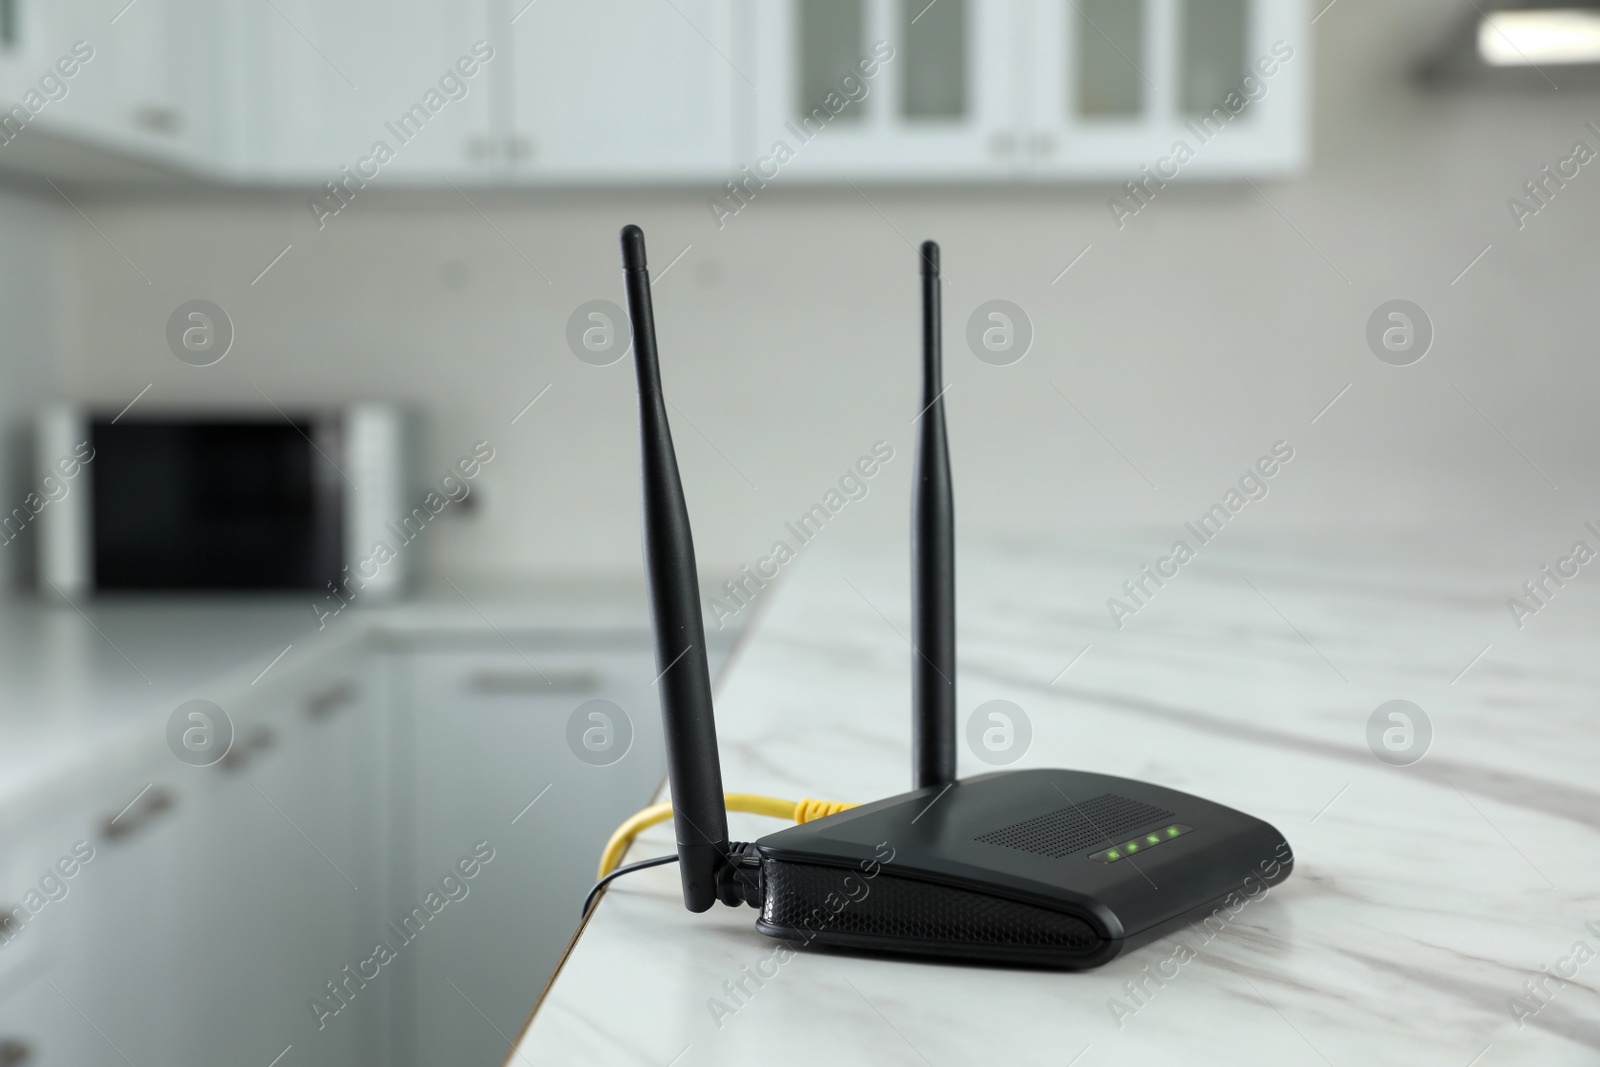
x,y
884,89
1172,87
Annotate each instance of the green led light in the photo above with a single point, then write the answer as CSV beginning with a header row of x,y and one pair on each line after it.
x,y
1150,840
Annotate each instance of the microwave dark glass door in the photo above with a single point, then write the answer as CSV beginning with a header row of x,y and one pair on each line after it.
x,y
215,505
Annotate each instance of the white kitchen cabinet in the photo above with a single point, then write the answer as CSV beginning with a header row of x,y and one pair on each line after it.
x,y
362,94
623,91
287,876
113,928
169,72
572,90
222,900
300,68
219,900
42,950
204,922
440,91
877,89
80,97
1030,89
26,48
352,95
488,735
40,1029
1121,84
152,78
234,898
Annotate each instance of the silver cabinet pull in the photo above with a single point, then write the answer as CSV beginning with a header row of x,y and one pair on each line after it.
x,y
534,683
244,749
154,118
146,808
323,704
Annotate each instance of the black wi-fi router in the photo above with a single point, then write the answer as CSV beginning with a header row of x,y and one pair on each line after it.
x,y
1057,868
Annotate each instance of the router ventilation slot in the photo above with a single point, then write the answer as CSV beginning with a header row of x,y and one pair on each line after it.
x,y
803,900
1095,822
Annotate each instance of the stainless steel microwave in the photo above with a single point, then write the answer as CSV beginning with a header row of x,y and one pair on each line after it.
x,y
168,502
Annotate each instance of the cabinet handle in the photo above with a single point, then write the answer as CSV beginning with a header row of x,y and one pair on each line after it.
x,y
156,119
245,748
482,149
14,1053
1044,144
1003,143
138,815
549,683
322,705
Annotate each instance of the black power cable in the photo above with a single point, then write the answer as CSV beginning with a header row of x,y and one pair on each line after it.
x,y
626,868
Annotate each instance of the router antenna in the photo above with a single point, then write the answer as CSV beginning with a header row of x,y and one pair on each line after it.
x,y
687,718
933,563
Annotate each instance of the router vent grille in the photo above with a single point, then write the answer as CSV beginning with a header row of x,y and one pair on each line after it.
x,y
1095,822
806,897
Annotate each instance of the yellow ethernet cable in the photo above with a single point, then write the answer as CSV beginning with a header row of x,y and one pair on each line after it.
x,y
804,810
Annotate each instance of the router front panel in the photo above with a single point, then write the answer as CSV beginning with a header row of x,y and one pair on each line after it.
x,y
1040,838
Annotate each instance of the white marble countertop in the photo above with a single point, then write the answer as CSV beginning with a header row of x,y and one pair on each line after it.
x,y
1422,900
85,681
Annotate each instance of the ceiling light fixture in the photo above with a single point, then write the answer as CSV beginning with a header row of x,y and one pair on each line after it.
x,y
1527,45
1531,38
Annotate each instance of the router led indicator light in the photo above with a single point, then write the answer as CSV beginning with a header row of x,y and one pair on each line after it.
x,y
1150,840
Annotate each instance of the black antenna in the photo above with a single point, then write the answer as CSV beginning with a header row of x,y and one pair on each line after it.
x,y
687,718
933,563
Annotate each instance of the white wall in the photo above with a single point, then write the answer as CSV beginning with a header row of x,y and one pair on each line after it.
x,y
1213,325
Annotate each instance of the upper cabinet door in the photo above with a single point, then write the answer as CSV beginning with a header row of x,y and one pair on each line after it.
x,y
146,77
33,37
174,88
361,92
429,92
1128,89
305,66
898,90
622,90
